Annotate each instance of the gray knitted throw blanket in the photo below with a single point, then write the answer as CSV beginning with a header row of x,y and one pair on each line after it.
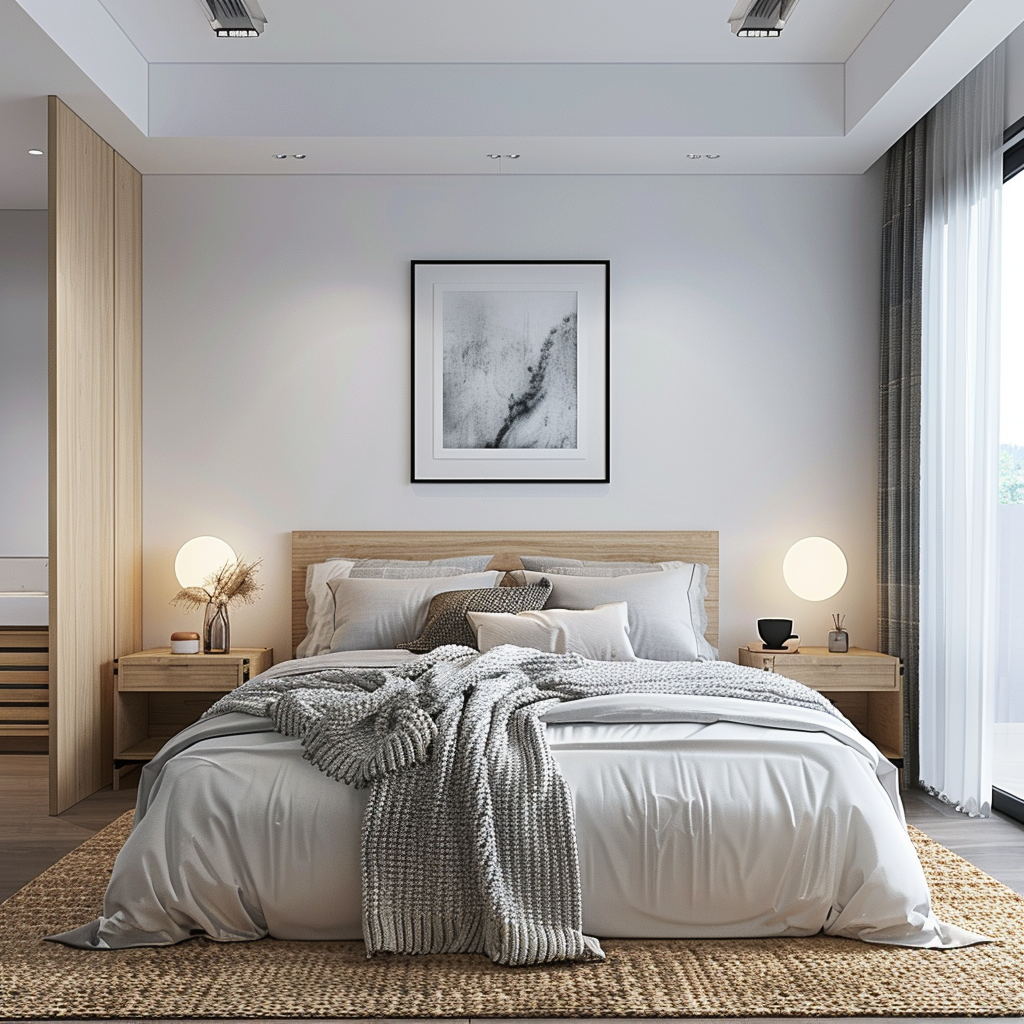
x,y
468,841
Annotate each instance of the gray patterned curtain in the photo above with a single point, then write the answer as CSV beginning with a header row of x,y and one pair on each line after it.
x,y
899,462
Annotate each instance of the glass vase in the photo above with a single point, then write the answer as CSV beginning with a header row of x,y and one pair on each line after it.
x,y
838,641
216,629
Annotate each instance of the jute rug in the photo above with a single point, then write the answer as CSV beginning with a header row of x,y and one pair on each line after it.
x,y
816,976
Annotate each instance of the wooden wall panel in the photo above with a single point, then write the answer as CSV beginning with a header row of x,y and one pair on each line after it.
x,y
127,408
91,428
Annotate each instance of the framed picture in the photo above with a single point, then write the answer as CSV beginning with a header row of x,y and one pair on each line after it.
x,y
510,371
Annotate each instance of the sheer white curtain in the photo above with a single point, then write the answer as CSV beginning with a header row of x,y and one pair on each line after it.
x,y
960,437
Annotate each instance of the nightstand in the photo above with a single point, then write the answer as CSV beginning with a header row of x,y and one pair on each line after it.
x,y
865,685
156,694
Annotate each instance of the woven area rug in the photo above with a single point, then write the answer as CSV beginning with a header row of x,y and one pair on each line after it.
x,y
809,977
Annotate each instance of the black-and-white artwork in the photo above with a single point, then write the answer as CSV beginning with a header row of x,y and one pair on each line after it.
x,y
510,371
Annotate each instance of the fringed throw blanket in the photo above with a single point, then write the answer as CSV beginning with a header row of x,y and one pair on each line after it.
x,y
469,841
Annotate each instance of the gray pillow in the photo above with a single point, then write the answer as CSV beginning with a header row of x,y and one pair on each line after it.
x,y
661,625
380,614
697,593
446,617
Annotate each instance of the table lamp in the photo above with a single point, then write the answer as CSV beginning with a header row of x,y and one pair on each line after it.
x,y
196,561
815,569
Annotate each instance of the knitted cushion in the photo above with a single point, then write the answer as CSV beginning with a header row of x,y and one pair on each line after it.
x,y
446,617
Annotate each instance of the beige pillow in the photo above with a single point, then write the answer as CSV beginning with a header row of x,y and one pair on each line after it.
x,y
601,634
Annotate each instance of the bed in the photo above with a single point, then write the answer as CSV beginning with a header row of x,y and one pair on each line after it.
x,y
696,815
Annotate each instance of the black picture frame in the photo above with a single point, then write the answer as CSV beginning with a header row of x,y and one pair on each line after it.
x,y
536,331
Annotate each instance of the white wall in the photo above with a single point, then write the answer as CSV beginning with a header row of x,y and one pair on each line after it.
x,y
744,369
23,389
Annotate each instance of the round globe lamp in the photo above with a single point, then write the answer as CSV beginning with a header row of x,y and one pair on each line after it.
x,y
199,557
814,568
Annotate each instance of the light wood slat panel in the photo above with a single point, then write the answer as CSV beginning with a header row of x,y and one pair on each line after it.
x,y
29,677
310,546
24,730
81,454
25,695
127,408
14,638
20,658
20,714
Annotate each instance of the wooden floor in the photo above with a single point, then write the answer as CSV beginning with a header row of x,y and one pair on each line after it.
x,y
31,840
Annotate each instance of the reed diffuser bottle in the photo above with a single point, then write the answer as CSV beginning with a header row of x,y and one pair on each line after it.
x,y
838,638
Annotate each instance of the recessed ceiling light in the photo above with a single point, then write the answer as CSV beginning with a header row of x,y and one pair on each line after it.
x,y
234,19
35,152
280,156
494,156
299,156
712,156
761,19
512,156
693,156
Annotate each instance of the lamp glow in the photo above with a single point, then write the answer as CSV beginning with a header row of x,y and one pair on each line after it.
x,y
199,557
814,568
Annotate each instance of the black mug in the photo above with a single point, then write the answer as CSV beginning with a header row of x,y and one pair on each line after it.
x,y
775,632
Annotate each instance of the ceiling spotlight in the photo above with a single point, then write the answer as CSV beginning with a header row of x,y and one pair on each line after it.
x,y
503,156
234,19
512,156
280,156
693,156
712,156
298,156
35,152
761,19
494,156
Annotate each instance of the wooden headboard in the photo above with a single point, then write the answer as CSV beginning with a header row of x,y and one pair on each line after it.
x,y
310,546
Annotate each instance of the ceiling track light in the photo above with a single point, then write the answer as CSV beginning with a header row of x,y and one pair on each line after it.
x,y
234,19
761,19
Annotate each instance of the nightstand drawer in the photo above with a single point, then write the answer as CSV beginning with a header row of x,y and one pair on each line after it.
x,y
822,670
178,672
854,675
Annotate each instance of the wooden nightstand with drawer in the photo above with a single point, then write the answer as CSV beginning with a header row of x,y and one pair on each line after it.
x,y
156,694
865,685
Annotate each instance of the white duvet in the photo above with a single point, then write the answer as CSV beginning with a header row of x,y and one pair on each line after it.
x,y
696,817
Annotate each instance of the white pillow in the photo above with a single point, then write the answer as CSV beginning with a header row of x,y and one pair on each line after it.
x,y
601,634
320,605
697,592
320,599
660,622
380,614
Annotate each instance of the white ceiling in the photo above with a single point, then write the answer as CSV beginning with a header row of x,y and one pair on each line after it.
x,y
433,86
486,31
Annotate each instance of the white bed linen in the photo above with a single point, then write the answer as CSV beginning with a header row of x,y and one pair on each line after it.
x,y
784,822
